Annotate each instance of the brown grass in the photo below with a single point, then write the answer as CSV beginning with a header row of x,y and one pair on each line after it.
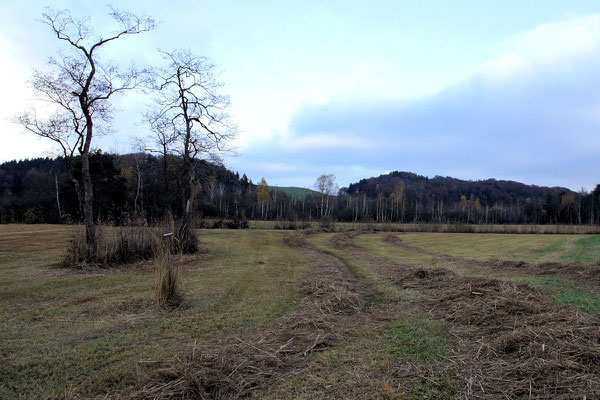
x,y
511,340
332,308
573,270
114,246
168,287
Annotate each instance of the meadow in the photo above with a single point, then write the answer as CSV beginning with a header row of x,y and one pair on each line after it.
x,y
307,314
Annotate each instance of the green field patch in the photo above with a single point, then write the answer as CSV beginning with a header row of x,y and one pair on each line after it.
x,y
295,192
438,389
586,250
568,293
417,339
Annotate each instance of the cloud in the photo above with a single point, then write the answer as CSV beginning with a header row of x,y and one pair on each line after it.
x,y
531,114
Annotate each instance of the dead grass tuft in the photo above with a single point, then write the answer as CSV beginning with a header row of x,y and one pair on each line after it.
x,y
296,239
168,288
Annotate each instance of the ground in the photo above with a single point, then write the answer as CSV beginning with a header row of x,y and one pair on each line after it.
x,y
289,314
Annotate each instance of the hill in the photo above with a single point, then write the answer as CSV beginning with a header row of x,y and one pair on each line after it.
x,y
294,191
488,191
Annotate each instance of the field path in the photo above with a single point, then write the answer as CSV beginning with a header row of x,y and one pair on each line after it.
x,y
333,308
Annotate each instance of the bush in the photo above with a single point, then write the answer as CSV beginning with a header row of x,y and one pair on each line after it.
x,y
34,215
186,240
114,246
327,224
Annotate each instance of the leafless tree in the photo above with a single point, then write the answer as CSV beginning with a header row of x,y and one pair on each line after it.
x,y
78,89
163,137
188,104
327,186
221,189
211,189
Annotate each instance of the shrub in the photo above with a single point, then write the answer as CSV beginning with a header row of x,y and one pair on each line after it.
x,y
114,246
327,224
34,215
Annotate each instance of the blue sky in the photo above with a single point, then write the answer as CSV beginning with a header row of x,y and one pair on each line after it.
x,y
470,89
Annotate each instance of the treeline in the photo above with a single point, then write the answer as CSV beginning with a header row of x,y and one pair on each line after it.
x,y
145,186
408,197
126,187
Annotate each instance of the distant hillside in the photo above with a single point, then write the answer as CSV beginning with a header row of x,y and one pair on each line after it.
x,y
449,190
295,192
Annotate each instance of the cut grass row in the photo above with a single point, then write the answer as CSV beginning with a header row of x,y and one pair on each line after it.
x,y
532,248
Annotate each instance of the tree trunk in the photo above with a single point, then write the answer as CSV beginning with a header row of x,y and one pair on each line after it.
x,y
57,197
88,199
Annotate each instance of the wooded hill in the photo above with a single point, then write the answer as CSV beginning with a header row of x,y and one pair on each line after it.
x,y
145,186
450,199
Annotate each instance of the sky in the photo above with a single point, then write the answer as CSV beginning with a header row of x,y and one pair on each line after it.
x,y
468,89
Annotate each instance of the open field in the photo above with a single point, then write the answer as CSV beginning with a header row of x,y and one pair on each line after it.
x,y
277,315
430,227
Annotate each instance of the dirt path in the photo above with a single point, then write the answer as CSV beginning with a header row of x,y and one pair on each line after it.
x,y
590,274
510,340
333,307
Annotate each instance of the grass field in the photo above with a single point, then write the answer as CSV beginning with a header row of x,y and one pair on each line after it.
x,y
295,192
379,332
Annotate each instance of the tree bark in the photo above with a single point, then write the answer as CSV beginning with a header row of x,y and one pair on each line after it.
x,y
57,197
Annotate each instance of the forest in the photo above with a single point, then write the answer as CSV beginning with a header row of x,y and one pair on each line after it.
x,y
146,186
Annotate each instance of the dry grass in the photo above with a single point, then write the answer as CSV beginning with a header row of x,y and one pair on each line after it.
x,y
97,331
511,340
332,308
168,282
273,316
436,228
114,246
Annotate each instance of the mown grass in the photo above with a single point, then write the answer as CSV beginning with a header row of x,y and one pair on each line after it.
x,y
530,248
363,367
97,332
418,339
569,293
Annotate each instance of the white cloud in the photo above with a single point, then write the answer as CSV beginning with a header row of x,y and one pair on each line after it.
x,y
547,44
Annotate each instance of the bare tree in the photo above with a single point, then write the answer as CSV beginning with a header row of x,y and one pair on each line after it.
x,y
221,189
327,186
262,195
189,105
211,189
163,137
78,89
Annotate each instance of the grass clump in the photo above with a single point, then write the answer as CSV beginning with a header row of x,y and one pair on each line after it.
x,y
128,244
114,246
417,339
168,288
